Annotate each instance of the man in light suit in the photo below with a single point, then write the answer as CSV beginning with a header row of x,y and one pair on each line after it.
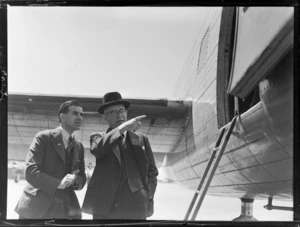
x,y
125,177
54,169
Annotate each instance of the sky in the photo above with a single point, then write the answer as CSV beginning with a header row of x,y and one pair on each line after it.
x,y
88,51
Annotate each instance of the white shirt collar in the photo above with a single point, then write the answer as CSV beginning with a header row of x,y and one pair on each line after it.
x,y
65,136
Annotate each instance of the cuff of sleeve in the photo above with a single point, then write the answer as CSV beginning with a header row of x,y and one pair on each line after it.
x,y
51,189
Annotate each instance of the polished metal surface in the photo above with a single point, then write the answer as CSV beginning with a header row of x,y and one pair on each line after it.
x,y
258,160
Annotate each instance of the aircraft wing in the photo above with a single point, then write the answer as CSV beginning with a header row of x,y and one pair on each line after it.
x,y
31,113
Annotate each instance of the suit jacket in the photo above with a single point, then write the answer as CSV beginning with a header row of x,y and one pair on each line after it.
x,y
104,182
45,168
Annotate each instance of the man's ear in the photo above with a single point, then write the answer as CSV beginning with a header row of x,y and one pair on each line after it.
x,y
62,117
104,117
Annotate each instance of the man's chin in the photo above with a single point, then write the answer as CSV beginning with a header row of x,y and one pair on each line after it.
x,y
77,128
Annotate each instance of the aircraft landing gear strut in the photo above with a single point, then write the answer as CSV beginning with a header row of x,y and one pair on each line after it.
x,y
269,206
246,211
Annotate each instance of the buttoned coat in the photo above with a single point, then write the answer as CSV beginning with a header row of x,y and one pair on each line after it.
x,y
45,168
104,182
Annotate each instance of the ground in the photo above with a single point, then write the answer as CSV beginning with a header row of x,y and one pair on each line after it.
x,y
171,203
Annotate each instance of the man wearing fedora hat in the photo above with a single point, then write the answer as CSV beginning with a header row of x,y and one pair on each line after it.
x,y
124,180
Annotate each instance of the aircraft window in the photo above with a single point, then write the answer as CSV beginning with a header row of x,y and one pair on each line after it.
x,y
203,51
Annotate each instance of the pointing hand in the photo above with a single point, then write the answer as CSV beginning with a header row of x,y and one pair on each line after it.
x,y
133,124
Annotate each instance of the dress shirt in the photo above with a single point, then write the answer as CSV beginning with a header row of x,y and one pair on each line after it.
x,y
65,136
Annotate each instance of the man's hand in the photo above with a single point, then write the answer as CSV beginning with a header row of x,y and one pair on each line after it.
x,y
133,124
68,180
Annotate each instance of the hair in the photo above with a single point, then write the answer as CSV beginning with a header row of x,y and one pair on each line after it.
x,y
64,107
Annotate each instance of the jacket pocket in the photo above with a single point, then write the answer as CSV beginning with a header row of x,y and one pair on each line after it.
x,y
31,190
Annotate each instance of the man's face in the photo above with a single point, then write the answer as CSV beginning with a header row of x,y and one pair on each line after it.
x,y
72,120
115,115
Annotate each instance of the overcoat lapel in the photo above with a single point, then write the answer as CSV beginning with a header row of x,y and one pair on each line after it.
x,y
139,151
57,143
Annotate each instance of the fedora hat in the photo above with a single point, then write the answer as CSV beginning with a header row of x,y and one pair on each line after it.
x,y
110,99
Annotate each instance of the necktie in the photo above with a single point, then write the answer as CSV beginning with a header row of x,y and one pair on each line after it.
x,y
121,142
70,143
69,153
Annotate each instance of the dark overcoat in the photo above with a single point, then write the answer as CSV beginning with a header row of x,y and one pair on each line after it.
x,y
45,168
104,182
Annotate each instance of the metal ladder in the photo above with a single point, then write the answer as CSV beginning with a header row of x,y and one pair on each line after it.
x,y
209,171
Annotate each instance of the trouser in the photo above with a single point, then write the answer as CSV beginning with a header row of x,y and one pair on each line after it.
x,y
128,205
55,211
62,206
58,210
